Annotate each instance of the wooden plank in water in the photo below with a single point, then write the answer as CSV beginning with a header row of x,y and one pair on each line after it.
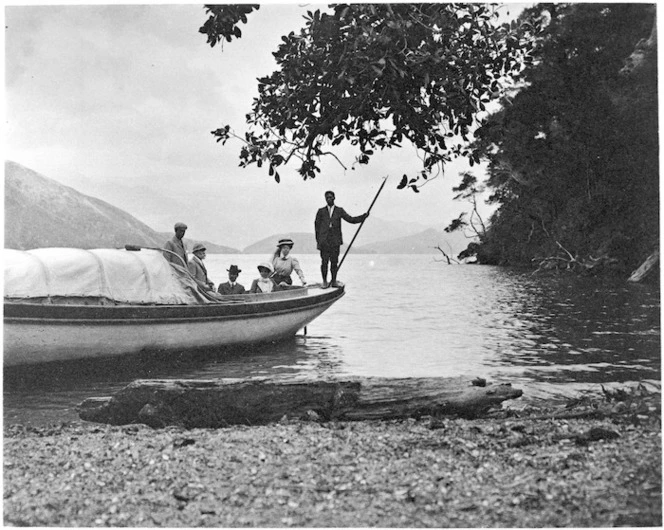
x,y
645,268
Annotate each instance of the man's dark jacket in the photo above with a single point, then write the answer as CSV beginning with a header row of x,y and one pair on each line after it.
x,y
225,288
328,230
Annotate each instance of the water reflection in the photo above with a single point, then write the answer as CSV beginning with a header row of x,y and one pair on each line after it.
x,y
407,316
580,330
37,392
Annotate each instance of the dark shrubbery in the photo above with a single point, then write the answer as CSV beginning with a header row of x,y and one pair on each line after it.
x,y
574,156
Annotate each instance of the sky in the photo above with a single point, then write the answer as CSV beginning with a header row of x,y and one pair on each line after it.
x,y
118,101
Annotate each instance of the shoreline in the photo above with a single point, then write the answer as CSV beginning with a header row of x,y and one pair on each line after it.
x,y
588,463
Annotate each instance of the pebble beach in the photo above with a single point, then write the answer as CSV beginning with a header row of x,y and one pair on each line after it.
x,y
572,466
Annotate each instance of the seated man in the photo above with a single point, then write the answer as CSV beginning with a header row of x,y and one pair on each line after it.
x,y
198,270
231,286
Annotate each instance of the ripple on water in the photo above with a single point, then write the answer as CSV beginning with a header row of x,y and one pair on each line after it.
x,y
547,334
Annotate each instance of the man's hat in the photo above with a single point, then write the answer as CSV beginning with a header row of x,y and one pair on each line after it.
x,y
234,270
180,225
199,246
285,241
266,265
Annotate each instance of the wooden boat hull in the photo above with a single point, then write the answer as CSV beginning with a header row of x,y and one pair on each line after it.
x,y
38,333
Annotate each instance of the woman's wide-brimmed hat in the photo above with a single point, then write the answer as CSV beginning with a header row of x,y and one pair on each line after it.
x,y
266,265
285,241
234,269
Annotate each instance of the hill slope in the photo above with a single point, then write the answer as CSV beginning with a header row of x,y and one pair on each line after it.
x,y
424,242
373,231
40,212
304,243
376,229
212,248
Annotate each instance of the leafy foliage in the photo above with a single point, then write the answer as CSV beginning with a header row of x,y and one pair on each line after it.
x,y
573,157
376,76
468,190
457,224
222,23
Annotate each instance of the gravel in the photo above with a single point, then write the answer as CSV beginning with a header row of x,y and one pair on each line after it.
x,y
516,468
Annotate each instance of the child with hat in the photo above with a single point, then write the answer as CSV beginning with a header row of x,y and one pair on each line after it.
x,y
264,284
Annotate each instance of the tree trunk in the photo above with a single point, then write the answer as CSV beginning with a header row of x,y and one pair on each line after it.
x,y
646,267
222,402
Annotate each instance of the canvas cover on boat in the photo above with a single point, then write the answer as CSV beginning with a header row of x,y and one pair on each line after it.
x,y
142,277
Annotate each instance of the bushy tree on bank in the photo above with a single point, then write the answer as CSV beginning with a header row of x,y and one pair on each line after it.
x,y
573,153
573,157
376,76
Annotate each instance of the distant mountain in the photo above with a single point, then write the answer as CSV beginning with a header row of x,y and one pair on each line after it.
x,y
40,212
304,243
212,248
424,242
374,230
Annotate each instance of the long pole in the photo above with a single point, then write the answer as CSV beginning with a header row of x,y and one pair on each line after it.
x,y
136,248
361,224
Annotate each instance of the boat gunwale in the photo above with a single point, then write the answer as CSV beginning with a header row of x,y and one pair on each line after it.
x,y
21,312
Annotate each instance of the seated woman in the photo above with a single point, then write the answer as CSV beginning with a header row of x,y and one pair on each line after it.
x,y
264,284
284,265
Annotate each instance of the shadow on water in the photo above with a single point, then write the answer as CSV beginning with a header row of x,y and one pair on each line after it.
x,y
578,311
125,368
42,393
579,332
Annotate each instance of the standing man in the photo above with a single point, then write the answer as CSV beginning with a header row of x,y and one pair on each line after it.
x,y
197,268
176,247
328,235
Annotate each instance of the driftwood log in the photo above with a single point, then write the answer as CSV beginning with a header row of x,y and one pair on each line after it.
x,y
223,402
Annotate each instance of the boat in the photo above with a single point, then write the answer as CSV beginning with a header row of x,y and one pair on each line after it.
x,y
63,304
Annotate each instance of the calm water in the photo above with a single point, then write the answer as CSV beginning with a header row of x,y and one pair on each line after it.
x,y
406,316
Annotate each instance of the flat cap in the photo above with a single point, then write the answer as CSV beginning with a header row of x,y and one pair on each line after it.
x,y
180,225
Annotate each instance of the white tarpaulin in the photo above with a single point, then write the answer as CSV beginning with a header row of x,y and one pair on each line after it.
x,y
142,277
